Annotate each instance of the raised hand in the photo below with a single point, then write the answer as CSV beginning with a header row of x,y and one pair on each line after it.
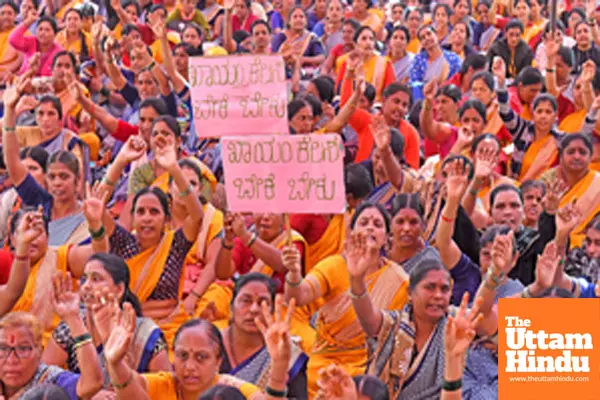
x,y
360,86
105,312
32,16
30,227
97,29
158,27
588,71
499,70
228,227
64,299
461,329
335,384
291,258
134,149
485,162
34,65
381,133
13,92
117,344
547,265
465,137
166,155
360,253
238,225
228,4
567,219
276,331
457,181
93,206
430,90
354,60
554,192
502,252
75,90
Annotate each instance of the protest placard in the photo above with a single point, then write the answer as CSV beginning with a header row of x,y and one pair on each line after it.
x,y
238,95
284,173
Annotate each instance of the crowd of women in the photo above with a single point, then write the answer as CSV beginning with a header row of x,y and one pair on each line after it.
x,y
472,162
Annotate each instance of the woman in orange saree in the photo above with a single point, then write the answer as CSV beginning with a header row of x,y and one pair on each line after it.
x,y
339,337
377,69
155,255
575,154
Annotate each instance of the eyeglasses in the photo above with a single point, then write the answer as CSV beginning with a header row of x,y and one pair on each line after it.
x,y
20,351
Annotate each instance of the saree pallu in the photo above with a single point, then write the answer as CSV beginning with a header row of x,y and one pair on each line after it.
x,y
145,270
540,156
163,386
392,353
70,230
257,368
212,224
38,289
340,337
588,202
383,194
573,122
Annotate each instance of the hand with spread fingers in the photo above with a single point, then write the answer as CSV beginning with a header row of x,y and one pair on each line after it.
x,y
361,252
118,342
105,312
546,268
276,329
461,329
503,255
64,299
554,192
457,181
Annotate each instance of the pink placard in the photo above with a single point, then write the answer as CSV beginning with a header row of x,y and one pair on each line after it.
x,y
285,173
238,95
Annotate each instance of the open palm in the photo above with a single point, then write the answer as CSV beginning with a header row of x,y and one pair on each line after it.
x,y
276,330
117,344
547,265
460,329
64,299
458,180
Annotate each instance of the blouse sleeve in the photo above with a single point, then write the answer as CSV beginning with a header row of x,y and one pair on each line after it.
x,y
123,243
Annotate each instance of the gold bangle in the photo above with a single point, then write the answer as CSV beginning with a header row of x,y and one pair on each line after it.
x,y
123,385
293,284
82,343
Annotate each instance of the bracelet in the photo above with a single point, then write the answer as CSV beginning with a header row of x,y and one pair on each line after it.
x,y
99,234
358,296
446,219
451,386
193,293
79,345
108,181
81,338
104,91
152,64
22,258
123,385
526,293
252,240
474,192
187,191
223,245
496,279
293,284
11,129
551,70
276,393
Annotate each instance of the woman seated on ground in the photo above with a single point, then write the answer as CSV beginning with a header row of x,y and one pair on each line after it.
x,y
105,284
22,332
199,342
246,355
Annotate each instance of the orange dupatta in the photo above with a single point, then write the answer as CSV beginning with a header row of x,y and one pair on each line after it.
x,y
147,267
539,157
573,122
588,201
39,288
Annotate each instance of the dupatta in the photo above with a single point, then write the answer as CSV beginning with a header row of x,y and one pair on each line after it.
x,y
38,289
